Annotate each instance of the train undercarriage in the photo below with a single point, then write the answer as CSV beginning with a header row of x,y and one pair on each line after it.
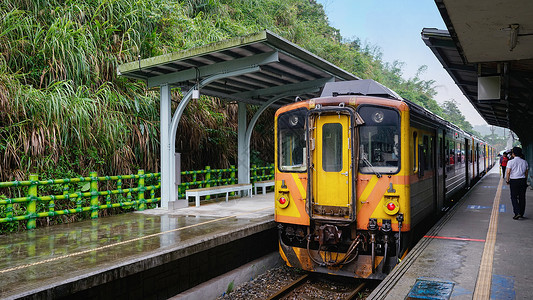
x,y
340,249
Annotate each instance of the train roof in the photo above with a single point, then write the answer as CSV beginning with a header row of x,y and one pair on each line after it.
x,y
369,87
366,87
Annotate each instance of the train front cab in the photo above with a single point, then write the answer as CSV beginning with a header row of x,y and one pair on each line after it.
x,y
342,191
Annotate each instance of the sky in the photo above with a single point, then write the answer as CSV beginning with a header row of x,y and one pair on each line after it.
x,y
395,26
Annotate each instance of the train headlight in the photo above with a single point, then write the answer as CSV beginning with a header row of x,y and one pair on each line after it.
x,y
391,206
378,116
293,120
282,202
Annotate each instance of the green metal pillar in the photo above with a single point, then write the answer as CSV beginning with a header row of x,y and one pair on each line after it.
x,y
32,204
94,195
142,189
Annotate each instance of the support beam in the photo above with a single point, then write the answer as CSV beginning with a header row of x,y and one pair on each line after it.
x,y
260,111
167,181
243,147
287,89
215,69
169,175
244,142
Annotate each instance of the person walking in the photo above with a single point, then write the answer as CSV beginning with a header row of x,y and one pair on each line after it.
x,y
517,169
503,163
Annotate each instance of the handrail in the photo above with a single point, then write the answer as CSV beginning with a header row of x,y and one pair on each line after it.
x,y
99,193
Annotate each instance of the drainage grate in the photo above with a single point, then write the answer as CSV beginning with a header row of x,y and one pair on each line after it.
x,y
429,288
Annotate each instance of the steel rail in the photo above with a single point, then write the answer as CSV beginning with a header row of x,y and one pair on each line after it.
x,y
289,288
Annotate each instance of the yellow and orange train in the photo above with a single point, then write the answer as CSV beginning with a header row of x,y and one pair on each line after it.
x,y
357,169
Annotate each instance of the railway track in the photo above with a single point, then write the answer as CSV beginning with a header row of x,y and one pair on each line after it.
x,y
348,292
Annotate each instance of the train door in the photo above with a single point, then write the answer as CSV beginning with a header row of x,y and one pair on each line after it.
x,y
332,175
439,167
467,161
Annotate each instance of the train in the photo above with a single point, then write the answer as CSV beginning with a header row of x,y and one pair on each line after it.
x,y
357,170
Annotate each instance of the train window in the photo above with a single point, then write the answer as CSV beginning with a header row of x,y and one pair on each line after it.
x,y
441,156
332,147
447,152
292,141
431,150
426,153
459,156
462,153
379,140
452,153
415,146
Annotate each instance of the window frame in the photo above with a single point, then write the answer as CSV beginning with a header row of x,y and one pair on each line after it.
x,y
399,134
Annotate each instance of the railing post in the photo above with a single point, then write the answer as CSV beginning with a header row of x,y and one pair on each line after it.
x,y
32,204
94,195
140,194
272,171
254,174
232,174
207,180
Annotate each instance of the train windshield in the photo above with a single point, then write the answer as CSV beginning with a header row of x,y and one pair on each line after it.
x,y
379,140
292,141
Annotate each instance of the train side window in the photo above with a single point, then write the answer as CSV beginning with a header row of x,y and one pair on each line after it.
x,y
452,153
447,151
414,156
431,149
292,142
421,160
462,153
427,153
458,152
379,140
441,156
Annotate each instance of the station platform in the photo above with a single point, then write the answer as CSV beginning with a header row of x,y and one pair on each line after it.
x,y
154,254
476,251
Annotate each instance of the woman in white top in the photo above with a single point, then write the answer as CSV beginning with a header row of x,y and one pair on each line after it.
x,y
517,169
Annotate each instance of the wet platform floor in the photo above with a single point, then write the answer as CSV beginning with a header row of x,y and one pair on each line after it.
x,y
477,249
117,246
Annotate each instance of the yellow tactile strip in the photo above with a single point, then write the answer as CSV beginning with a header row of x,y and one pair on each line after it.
x,y
484,278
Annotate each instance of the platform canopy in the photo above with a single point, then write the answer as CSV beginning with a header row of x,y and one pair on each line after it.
x,y
488,46
260,69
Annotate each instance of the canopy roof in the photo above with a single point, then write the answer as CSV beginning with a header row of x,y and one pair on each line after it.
x,y
489,38
283,68
367,87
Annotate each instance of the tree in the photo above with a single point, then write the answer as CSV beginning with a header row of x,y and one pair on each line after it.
x,y
452,113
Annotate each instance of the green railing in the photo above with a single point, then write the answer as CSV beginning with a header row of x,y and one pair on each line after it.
x,y
215,177
45,206
92,194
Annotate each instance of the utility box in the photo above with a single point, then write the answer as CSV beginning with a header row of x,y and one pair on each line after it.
x,y
488,88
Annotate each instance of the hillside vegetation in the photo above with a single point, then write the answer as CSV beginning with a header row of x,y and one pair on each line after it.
x,y
64,111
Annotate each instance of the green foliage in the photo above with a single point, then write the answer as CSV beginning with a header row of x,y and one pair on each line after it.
x,y
453,114
230,287
64,111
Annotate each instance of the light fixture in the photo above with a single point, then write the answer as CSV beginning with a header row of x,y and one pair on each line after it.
x,y
196,88
513,36
293,120
195,93
378,116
